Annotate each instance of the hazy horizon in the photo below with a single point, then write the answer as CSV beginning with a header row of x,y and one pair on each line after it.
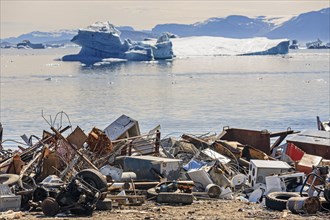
x,y
19,17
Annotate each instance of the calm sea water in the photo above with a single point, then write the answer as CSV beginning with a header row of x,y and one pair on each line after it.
x,y
188,95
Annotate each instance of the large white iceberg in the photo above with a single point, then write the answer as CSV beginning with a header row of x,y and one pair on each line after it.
x,y
102,40
219,46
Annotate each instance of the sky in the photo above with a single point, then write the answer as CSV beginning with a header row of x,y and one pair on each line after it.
x,y
23,16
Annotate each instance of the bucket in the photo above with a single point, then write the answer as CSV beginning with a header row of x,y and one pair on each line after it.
x,y
213,190
303,205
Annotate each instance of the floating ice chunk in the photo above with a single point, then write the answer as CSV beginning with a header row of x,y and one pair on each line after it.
x,y
52,64
113,60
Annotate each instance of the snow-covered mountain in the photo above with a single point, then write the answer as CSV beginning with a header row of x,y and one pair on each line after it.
x,y
305,27
44,37
234,26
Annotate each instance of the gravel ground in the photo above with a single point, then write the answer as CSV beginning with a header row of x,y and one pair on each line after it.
x,y
220,209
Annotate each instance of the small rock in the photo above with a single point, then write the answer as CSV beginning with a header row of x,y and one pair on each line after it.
x,y
241,210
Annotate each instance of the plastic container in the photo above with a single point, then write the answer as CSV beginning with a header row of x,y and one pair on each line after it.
x,y
10,202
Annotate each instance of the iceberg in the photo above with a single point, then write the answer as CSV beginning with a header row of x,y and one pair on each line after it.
x,y
102,40
220,46
163,47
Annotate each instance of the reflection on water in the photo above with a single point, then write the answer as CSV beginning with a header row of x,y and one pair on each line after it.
x,y
193,95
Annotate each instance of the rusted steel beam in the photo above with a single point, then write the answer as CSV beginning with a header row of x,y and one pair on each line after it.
x,y
258,139
131,138
1,131
281,133
199,143
157,142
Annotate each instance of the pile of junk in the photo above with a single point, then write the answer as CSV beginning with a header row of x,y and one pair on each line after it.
x,y
69,172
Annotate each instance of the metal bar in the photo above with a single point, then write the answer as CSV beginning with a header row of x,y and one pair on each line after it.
x,y
278,141
59,135
26,167
276,134
130,138
196,141
36,145
157,142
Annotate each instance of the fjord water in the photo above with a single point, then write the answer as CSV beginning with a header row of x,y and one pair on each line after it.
x,y
188,95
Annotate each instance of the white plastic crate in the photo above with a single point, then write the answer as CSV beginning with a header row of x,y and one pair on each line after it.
x,y
200,177
260,169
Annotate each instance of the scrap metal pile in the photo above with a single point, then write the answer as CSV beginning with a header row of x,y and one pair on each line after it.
x,y
76,174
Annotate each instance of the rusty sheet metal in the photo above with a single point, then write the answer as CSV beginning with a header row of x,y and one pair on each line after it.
x,y
199,143
77,137
312,142
51,165
257,139
98,142
253,153
16,165
231,149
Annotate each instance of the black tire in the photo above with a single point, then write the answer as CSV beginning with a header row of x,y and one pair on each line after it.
x,y
50,207
175,198
95,179
104,205
327,192
277,200
83,210
25,206
151,193
9,179
40,194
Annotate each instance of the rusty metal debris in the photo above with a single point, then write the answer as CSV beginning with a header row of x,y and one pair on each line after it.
x,y
79,172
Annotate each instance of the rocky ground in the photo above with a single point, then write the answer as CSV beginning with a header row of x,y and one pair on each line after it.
x,y
220,209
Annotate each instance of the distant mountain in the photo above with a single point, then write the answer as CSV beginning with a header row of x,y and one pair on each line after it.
x,y
234,26
125,28
43,37
137,35
65,36
305,27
